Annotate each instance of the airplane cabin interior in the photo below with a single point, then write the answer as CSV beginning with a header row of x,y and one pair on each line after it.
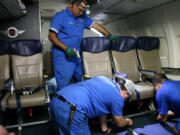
x,y
149,43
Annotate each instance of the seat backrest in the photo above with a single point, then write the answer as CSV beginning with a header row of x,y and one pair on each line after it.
x,y
27,63
96,58
4,60
124,57
148,54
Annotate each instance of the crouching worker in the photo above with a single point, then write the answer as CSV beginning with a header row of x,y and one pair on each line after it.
x,y
74,104
167,98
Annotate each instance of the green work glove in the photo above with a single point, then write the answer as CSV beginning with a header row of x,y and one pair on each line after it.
x,y
113,38
69,52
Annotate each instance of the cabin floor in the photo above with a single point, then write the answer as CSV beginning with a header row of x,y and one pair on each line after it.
x,y
142,124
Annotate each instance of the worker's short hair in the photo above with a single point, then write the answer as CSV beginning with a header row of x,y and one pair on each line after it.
x,y
78,1
121,82
159,78
126,84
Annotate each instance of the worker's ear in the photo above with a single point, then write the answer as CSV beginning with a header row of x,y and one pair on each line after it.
x,y
70,5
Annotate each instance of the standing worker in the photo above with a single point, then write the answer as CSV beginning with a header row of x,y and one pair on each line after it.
x,y
99,96
66,33
167,98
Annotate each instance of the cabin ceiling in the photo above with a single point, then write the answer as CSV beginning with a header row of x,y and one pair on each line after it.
x,y
100,10
110,10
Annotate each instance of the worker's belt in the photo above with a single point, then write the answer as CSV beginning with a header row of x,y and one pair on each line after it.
x,y
72,109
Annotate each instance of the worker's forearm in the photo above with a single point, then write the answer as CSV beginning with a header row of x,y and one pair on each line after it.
x,y
122,122
103,120
101,29
53,38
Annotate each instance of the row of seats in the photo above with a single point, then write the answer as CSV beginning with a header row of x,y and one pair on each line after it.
x,y
129,56
22,62
145,50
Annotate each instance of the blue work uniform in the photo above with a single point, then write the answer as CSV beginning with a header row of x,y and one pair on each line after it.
x,y
69,31
168,98
95,97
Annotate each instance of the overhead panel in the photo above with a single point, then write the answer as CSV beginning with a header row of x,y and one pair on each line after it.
x,y
109,10
128,7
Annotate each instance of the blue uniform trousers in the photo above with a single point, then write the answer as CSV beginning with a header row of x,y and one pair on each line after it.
x,y
65,68
60,112
178,127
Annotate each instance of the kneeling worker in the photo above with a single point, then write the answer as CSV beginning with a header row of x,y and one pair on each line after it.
x,y
167,98
74,104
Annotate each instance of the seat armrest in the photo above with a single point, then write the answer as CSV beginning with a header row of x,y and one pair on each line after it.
x,y
120,75
171,71
148,72
147,75
9,85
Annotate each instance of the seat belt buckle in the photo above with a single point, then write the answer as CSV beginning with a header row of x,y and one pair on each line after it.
x,y
27,92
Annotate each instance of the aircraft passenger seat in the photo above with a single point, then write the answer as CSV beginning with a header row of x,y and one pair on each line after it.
x,y
149,59
4,73
148,54
96,58
125,61
27,67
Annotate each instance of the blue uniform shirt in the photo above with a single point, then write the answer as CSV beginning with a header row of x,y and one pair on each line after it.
x,y
168,97
95,97
70,29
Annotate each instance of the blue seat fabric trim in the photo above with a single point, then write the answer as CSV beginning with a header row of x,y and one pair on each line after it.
x,y
95,44
25,47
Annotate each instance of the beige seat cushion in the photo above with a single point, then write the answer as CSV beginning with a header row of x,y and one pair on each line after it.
x,y
27,71
146,90
4,75
126,62
150,60
36,99
4,69
97,64
4,103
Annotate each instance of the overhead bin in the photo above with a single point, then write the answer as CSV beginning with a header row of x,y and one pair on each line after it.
x,y
12,9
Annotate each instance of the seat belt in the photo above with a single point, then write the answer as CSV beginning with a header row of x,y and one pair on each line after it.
x,y
28,91
19,92
19,108
19,111
1,97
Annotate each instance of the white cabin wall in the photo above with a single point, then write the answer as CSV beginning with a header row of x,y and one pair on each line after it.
x,y
162,22
46,18
45,23
53,4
